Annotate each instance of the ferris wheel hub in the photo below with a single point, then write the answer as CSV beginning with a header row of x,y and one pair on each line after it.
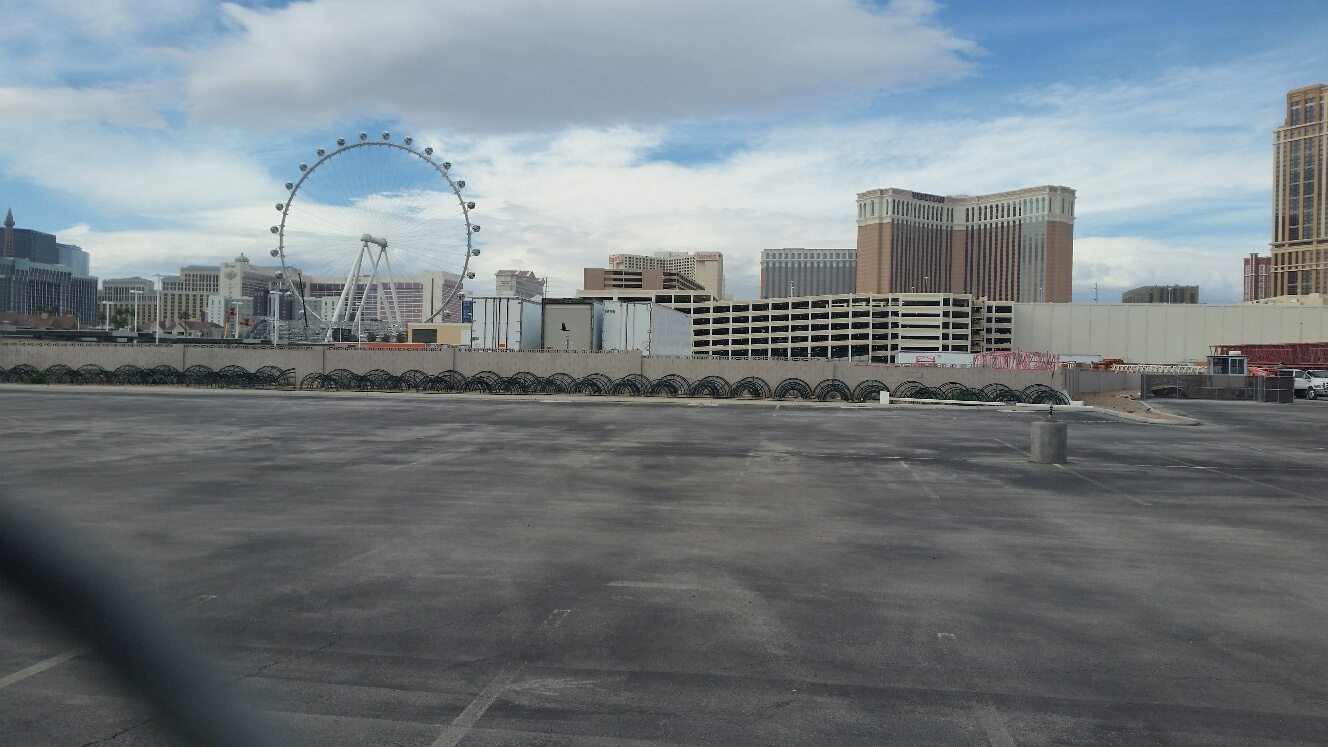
x,y
370,239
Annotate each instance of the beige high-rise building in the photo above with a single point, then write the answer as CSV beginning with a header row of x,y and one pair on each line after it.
x,y
1009,246
704,268
1300,242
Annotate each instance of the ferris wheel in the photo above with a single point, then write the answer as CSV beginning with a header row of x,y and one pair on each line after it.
x,y
374,234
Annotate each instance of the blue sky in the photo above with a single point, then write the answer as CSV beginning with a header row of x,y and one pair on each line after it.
x,y
158,133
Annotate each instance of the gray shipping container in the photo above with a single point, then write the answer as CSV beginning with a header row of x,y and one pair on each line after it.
x,y
506,322
572,323
649,327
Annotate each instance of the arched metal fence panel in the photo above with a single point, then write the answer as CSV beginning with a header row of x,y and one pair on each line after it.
x,y
793,388
670,385
595,383
869,391
831,389
751,387
714,387
632,385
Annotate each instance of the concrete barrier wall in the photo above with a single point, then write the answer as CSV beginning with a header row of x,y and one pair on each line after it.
x,y
1078,382
303,360
306,360
395,362
75,354
577,364
695,369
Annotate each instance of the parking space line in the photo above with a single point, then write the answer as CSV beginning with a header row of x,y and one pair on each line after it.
x,y
1082,476
456,731
39,667
1240,477
984,713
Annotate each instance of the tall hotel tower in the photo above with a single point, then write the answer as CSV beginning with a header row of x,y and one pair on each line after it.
x,y
1300,243
1010,246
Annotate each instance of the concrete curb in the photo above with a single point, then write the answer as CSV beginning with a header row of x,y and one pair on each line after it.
x,y
1174,420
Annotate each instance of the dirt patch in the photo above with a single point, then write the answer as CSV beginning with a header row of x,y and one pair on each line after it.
x,y
1124,401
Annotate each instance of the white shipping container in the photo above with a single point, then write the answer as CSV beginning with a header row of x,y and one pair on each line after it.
x,y
573,324
506,322
649,327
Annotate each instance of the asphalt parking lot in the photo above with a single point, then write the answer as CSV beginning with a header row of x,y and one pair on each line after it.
x,y
470,570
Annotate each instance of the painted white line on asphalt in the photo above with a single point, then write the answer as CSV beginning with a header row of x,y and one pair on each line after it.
x,y
992,723
456,731
1220,471
39,667
926,488
656,585
984,713
1103,485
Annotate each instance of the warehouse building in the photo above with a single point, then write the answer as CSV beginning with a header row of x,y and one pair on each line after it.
x,y
1160,333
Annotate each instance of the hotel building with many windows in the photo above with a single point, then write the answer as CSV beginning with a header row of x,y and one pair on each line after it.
x,y
1013,246
796,271
1300,241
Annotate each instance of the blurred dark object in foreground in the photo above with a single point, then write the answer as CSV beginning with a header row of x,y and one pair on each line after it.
x,y
82,592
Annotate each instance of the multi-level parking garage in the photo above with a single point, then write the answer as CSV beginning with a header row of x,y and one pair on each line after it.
x,y
863,327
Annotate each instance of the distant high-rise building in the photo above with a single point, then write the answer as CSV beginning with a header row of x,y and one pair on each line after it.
x,y
1300,241
519,283
704,268
33,280
1162,294
127,293
807,272
1010,246
74,258
1258,277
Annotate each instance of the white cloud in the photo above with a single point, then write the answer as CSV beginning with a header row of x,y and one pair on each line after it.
x,y
520,65
130,105
1124,262
154,175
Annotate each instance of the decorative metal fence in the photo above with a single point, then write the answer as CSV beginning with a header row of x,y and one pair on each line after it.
x,y
525,382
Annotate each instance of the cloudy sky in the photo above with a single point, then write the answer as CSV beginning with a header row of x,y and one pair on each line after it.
x,y
156,133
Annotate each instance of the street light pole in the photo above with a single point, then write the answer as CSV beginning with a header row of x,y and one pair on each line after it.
x,y
158,332
136,294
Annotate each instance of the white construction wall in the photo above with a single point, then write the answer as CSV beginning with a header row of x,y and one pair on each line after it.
x,y
1160,333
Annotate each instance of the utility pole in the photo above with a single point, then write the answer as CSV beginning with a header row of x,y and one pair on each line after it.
x,y
158,276
136,294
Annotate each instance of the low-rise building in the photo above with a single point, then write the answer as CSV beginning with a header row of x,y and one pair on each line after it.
x,y
1161,333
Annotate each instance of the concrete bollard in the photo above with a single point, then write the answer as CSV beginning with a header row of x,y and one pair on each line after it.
x,y
885,397
1050,442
